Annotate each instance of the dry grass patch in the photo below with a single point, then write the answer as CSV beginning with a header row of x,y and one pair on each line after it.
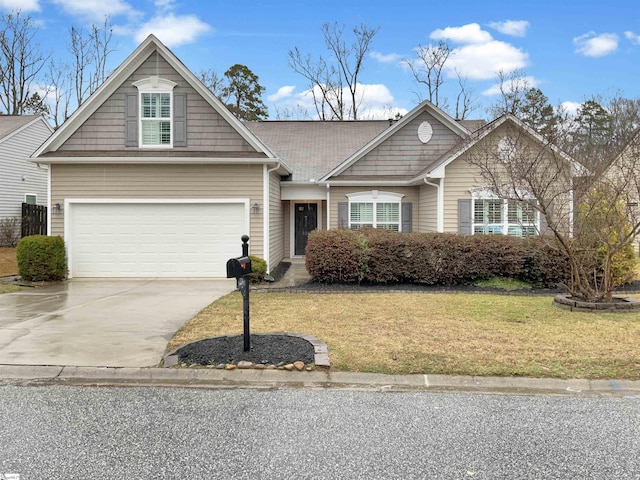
x,y
8,262
9,289
457,334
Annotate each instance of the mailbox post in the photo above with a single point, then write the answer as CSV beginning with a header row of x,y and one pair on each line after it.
x,y
239,268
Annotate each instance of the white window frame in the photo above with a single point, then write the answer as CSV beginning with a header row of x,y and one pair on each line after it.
x,y
375,197
157,85
504,227
35,198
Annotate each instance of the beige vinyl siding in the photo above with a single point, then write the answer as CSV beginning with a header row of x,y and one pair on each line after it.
x,y
160,182
276,222
206,129
338,194
287,212
428,220
404,154
460,177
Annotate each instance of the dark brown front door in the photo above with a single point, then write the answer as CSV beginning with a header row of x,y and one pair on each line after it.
x,y
306,220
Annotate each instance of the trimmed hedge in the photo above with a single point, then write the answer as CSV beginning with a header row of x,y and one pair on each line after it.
x,y
383,256
41,258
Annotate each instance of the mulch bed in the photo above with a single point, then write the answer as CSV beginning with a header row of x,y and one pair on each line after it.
x,y
265,349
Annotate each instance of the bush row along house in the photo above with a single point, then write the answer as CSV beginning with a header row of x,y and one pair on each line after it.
x,y
154,177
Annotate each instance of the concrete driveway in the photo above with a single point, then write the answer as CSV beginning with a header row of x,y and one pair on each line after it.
x,y
117,323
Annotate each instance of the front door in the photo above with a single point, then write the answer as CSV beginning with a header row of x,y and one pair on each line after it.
x,y
306,220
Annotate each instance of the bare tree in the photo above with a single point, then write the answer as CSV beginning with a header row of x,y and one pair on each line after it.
x,y
584,216
71,83
466,101
513,87
331,81
428,70
213,81
21,61
59,80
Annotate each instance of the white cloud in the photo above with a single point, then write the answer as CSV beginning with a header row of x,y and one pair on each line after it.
x,y
592,45
484,61
516,28
523,82
173,30
375,101
470,33
571,108
634,37
282,93
96,10
385,58
22,5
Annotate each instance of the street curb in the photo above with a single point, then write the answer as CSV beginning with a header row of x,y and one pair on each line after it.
x,y
318,379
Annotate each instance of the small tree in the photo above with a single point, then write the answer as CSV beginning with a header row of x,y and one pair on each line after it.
x,y
584,217
243,92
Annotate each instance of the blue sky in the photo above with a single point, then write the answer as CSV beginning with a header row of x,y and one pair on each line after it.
x,y
569,49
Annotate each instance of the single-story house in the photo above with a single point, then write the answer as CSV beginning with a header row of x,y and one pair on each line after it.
x,y
153,177
21,181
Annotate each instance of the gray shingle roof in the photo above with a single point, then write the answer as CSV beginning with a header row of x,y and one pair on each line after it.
x,y
313,148
10,123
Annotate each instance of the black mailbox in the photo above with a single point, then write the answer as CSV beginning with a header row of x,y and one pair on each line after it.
x,y
238,267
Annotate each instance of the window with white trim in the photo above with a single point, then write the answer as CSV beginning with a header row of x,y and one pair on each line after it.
x,y
156,112
30,199
375,209
493,216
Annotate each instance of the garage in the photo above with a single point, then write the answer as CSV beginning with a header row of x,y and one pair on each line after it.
x,y
153,238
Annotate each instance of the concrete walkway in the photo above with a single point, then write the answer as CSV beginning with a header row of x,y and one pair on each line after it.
x,y
116,323
212,378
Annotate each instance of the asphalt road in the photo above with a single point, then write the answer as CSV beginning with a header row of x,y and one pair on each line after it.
x,y
59,432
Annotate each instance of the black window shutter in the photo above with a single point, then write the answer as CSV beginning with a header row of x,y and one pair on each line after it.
x,y
180,120
464,217
131,119
407,217
343,215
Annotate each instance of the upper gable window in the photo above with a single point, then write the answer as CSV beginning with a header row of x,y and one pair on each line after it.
x,y
156,112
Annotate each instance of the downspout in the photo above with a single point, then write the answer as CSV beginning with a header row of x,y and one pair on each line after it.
x,y
328,207
440,203
49,200
266,213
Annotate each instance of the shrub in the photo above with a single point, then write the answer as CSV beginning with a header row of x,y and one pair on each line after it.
x,y
382,256
41,258
337,256
258,269
9,232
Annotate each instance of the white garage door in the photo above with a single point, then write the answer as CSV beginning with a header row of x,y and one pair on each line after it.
x,y
154,239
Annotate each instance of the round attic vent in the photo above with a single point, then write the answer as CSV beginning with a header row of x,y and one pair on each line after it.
x,y
425,132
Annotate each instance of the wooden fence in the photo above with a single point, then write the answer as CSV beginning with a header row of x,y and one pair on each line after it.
x,y
34,220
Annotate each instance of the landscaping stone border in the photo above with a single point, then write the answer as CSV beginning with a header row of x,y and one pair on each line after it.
x,y
320,355
621,305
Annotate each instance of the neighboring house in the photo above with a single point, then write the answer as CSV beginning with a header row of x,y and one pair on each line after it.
x,y
21,181
155,177
623,174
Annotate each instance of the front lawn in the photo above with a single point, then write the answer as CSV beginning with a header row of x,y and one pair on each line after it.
x,y
439,333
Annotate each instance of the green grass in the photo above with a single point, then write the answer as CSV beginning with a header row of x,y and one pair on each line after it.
x,y
503,283
452,333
